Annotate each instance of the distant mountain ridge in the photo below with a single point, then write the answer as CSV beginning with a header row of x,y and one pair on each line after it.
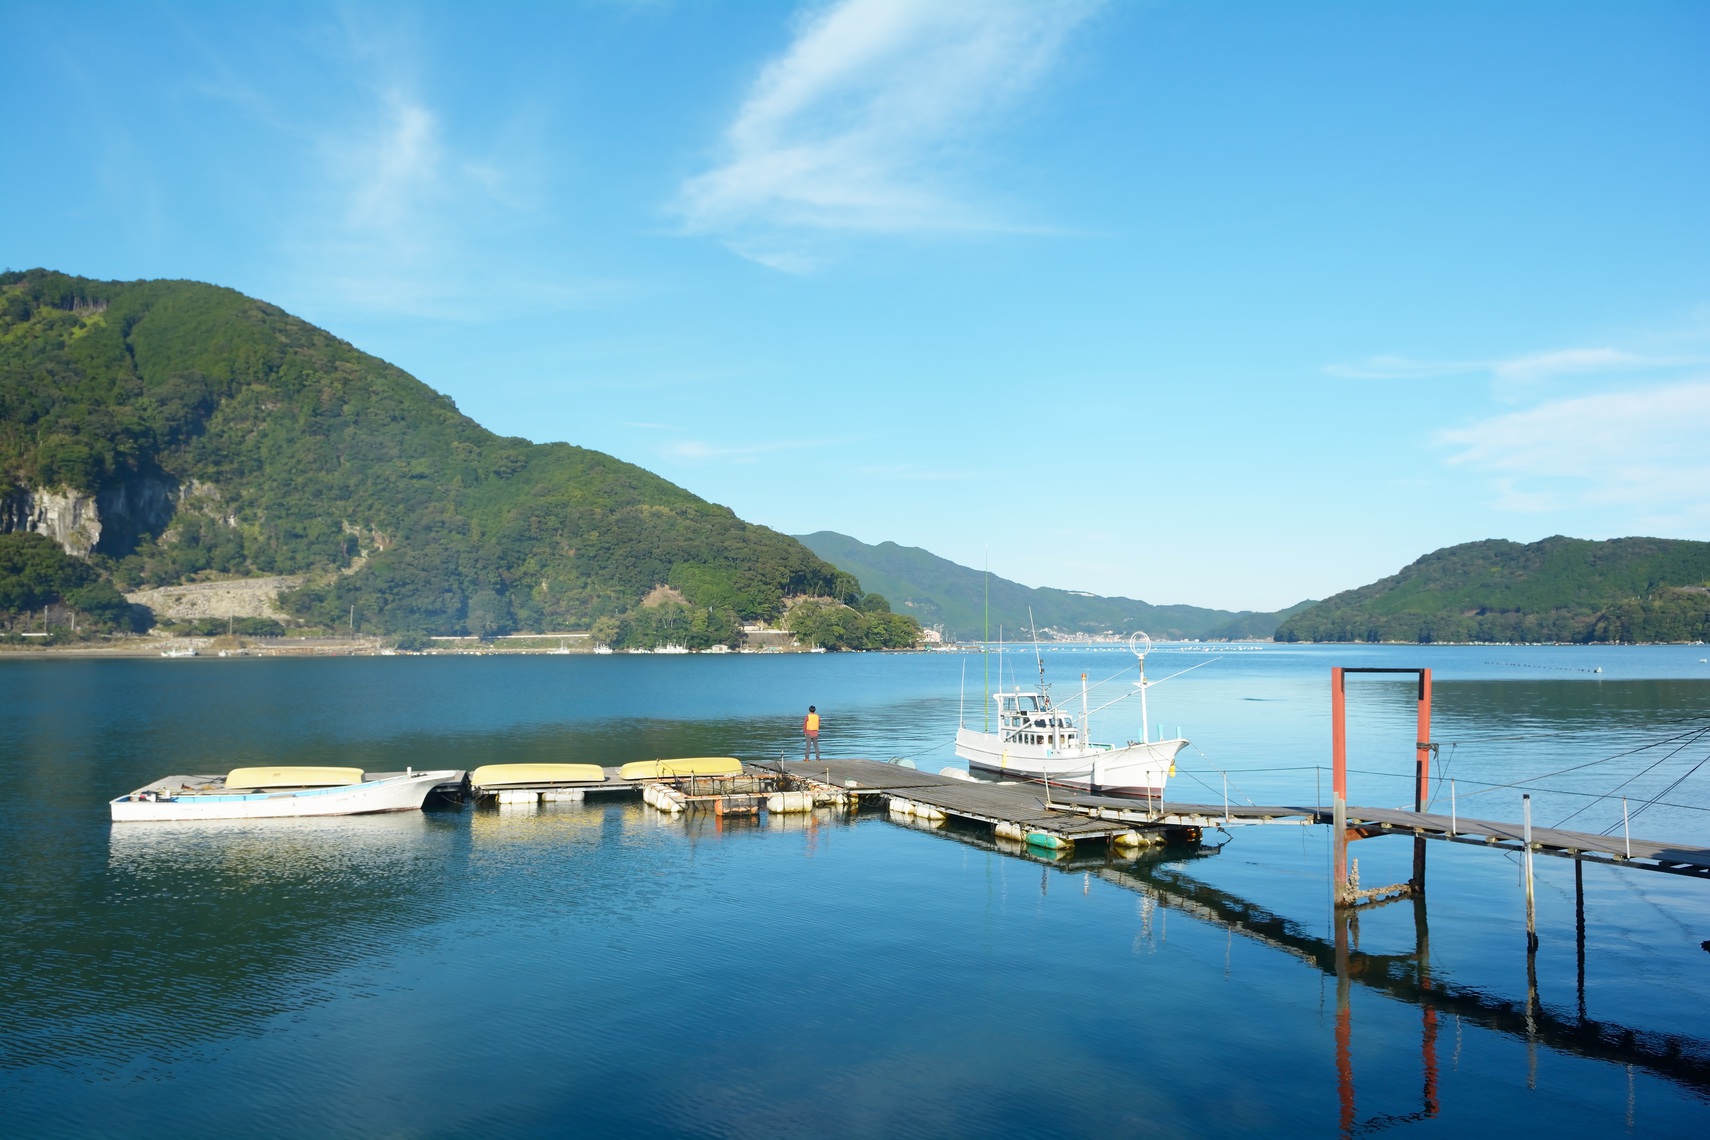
x,y
1556,589
937,591
172,430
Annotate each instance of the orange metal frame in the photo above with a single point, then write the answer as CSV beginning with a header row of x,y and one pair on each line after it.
x,y
1339,774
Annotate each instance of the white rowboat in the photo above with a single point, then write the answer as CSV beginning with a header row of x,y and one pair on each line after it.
x,y
281,792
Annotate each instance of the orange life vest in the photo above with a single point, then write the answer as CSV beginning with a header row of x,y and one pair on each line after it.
x,y
812,723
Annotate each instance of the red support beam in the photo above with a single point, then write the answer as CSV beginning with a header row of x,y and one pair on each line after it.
x,y
1341,892
1422,796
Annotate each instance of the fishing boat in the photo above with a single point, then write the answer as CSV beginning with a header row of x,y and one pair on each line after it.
x,y
1041,741
273,792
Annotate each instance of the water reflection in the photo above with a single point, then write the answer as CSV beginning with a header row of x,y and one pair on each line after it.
x,y
249,852
539,825
1162,877
511,948
197,932
1408,977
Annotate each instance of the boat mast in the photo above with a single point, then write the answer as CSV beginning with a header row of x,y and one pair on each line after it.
x,y
1140,653
1086,717
1037,658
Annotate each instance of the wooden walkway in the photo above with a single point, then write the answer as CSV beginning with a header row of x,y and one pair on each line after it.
x,y
1096,818
1649,854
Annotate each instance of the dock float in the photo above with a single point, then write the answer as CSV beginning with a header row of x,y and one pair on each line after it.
x,y
1020,812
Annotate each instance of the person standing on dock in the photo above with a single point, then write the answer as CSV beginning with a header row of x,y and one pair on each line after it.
x,y
810,730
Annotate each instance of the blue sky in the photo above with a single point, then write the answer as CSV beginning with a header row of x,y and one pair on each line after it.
x,y
1230,304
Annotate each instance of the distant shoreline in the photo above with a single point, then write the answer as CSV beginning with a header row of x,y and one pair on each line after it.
x,y
162,648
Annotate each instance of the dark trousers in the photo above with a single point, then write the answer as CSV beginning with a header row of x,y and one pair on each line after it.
x,y
812,746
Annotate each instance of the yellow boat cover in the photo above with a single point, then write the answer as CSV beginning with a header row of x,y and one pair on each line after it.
x,y
292,777
492,775
687,766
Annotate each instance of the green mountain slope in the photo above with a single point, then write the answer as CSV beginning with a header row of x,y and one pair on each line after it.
x,y
937,591
176,429
1558,589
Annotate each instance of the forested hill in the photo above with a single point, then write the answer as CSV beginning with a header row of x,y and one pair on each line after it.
x,y
168,429
1558,589
936,591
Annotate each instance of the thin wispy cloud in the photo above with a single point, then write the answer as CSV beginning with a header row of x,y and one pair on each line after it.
x,y
1527,368
1642,450
910,472
861,125
405,205
700,450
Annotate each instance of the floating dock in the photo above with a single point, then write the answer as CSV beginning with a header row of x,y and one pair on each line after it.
x,y
1073,818
1019,811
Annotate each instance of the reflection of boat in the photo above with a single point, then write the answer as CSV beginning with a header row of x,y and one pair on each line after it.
x,y
1043,742
264,793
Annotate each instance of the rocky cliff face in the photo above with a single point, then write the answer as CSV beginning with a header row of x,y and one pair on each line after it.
x,y
248,597
108,520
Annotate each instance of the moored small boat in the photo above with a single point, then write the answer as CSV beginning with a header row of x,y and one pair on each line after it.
x,y
504,779
276,792
686,766
1043,742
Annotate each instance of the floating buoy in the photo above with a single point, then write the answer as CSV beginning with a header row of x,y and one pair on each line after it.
x,y
528,797
957,774
782,802
1010,831
1048,841
563,796
1128,839
900,806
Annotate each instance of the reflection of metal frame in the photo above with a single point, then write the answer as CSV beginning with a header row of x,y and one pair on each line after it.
x,y
1347,932
1408,977
1346,890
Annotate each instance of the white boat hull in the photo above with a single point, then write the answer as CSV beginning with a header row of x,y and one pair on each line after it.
x,y
1136,770
157,801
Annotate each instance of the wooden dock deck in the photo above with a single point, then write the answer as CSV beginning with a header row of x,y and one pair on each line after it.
x,y
1022,806
1082,818
1649,854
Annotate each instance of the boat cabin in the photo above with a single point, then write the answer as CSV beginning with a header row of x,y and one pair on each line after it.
x,y
1031,718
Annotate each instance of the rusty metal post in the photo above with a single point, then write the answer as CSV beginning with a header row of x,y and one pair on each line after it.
x,y
1340,891
1422,792
1531,905
1579,927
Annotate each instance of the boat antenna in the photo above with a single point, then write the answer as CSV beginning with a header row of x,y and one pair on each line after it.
x,y
1038,660
1138,644
962,705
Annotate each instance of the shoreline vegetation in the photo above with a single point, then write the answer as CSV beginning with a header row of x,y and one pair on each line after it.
x,y
158,434
146,646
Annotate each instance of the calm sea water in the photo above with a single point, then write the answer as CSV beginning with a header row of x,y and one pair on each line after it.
x,y
600,968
